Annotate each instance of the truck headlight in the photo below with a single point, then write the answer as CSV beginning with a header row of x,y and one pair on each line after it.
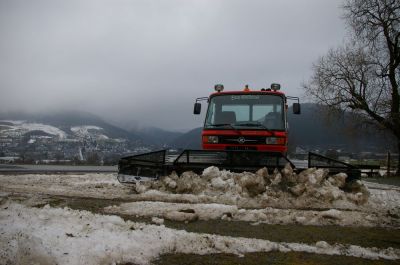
x,y
275,140
270,140
211,139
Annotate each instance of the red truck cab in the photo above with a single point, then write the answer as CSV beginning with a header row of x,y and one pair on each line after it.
x,y
246,120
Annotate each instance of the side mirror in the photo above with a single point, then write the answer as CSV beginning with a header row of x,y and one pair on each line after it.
x,y
197,108
296,108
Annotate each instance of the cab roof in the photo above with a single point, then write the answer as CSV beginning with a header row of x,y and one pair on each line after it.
x,y
249,92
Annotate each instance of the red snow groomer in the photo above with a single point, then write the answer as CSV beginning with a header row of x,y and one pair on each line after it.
x,y
243,131
246,120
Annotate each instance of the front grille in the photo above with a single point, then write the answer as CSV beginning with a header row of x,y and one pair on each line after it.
x,y
247,140
241,148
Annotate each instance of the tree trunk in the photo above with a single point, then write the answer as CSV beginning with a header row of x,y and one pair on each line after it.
x,y
398,158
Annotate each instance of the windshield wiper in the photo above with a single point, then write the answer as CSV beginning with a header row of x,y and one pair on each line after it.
x,y
223,124
255,124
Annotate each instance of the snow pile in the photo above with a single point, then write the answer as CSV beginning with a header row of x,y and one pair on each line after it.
x,y
383,195
310,188
174,211
65,236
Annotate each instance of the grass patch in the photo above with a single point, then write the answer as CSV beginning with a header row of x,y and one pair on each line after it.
x,y
93,205
390,181
83,204
298,258
361,236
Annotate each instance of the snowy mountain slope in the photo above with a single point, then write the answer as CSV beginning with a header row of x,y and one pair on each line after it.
x,y
19,128
23,127
89,131
66,124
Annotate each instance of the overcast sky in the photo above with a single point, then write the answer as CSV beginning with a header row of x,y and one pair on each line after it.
x,y
144,62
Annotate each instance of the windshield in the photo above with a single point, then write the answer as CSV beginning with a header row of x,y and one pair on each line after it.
x,y
264,112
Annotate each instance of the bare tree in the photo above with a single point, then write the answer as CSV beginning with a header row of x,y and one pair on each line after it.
x,y
363,75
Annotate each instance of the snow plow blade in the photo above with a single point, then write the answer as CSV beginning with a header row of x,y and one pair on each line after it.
x,y
153,165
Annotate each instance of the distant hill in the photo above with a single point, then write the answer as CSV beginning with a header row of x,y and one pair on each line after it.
x,y
67,119
189,140
156,137
315,127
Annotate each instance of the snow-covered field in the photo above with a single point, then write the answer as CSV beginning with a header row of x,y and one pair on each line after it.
x,y
32,231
